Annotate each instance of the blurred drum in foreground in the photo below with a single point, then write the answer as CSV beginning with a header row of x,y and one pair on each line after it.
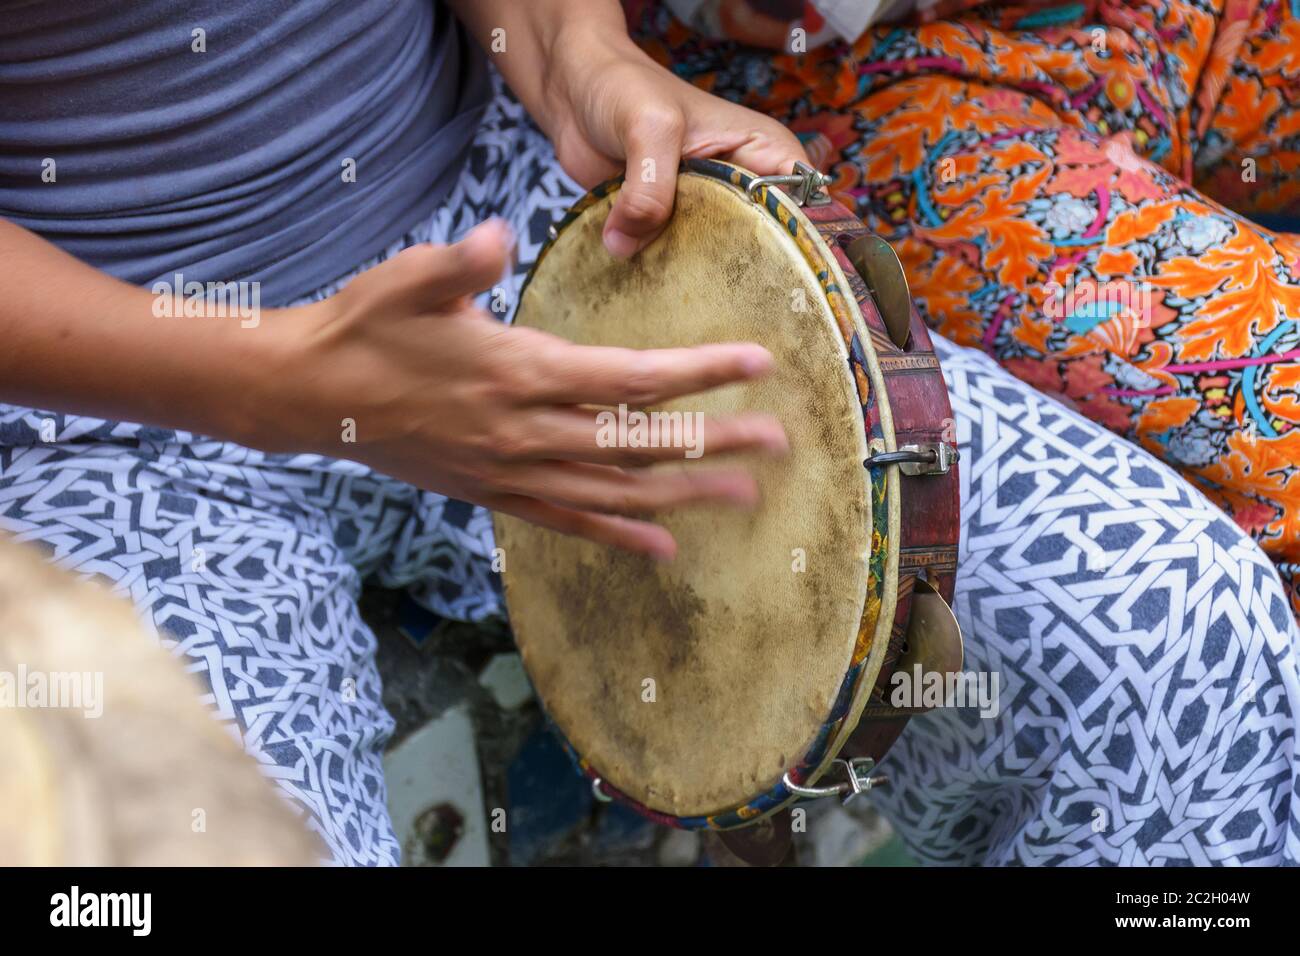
x,y
107,757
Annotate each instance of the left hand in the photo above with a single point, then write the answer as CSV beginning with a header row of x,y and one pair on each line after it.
x,y
609,107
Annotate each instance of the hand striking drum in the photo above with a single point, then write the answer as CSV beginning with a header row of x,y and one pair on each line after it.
x,y
756,668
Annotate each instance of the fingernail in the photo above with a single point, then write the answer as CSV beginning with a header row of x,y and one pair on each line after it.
x,y
755,363
778,444
620,244
664,554
503,230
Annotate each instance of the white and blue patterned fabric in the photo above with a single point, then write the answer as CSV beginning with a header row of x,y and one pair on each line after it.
x,y
1148,698
1145,651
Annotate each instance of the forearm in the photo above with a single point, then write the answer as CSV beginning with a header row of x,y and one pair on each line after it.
x,y
523,39
74,339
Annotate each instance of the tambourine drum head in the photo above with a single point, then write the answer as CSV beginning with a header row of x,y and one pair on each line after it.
x,y
693,685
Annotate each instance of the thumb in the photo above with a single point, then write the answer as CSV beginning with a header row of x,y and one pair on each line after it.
x,y
427,276
653,147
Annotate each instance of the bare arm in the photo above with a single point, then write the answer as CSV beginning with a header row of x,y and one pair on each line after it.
x,y
526,40
77,340
439,394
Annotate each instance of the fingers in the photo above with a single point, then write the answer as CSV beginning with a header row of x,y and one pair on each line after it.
x,y
652,144
630,492
628,534
771,155
562,373
742,136
573,434
430,276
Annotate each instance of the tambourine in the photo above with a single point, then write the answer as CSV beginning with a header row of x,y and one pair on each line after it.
x,y
754,669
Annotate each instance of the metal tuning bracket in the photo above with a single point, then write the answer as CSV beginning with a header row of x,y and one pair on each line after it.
x,y
858,780
806,185
924,458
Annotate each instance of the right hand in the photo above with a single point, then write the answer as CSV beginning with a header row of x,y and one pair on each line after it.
x,y
449,399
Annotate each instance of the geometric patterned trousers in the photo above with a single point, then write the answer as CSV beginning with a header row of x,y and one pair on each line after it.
x,y
1143,643
1145,650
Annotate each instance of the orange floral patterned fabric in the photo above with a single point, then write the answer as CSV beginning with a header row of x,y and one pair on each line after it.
x,y
1084,191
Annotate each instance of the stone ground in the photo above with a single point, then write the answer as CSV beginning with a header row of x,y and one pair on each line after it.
x,y
476,778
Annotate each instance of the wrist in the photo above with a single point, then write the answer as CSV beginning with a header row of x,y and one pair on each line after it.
x,y
575,53
270,385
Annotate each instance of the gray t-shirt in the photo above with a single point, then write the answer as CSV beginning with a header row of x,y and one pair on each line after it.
x,y
218,138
